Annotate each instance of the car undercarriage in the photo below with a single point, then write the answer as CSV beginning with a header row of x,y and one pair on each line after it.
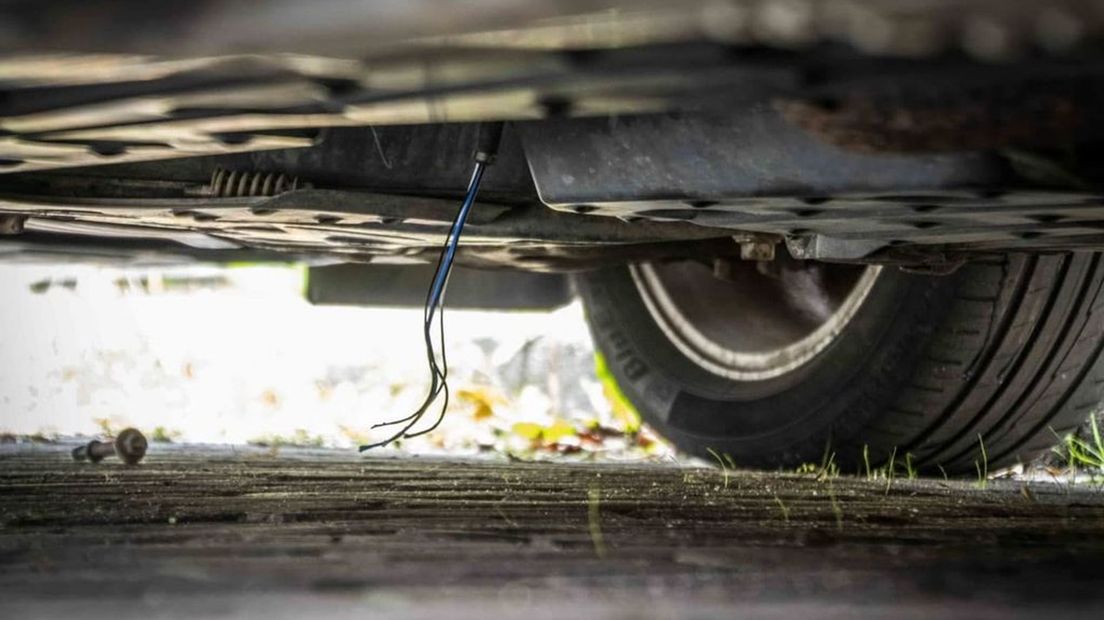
x,y
915,134
795,224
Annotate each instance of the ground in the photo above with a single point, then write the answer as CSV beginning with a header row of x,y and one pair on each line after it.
x,y
221,532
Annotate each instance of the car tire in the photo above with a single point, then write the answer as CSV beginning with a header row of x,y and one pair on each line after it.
x,y
980,368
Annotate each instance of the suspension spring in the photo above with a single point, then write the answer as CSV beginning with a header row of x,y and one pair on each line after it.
x,y
236,184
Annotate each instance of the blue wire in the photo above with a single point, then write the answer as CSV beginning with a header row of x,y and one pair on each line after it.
x,y
440,279
434,300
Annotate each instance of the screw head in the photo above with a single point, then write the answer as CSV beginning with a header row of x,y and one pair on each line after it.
x,y
130,445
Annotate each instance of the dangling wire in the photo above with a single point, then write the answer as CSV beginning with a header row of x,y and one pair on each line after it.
x,y
434,304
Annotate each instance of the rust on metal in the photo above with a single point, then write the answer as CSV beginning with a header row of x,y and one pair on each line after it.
x,y
1030,117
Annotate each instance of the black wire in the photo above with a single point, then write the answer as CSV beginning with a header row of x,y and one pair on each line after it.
x,y
437,375
435,305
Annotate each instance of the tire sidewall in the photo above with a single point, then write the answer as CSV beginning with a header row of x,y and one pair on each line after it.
x,y
831,396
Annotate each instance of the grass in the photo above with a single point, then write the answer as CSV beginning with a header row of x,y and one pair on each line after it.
x,y
827,470
594,520
890,469
728,459
1084,453
828,467
1079,452
837,511
161,434
721,462
910,469
505,517
983,466
300,439
782,506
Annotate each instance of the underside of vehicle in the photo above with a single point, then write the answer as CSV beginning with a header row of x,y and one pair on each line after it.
x,y
800,228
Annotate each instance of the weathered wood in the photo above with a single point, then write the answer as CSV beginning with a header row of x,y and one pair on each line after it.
x,y
195,531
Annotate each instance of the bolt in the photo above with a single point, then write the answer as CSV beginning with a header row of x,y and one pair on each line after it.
x,y
129,445
94,451
757,250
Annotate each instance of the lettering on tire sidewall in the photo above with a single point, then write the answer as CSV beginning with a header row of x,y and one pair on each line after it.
x,y
657,393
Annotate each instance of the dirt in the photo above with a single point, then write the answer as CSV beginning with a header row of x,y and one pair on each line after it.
x,y
219,532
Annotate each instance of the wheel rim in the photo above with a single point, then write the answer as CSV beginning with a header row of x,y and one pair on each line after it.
x,y
755,324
